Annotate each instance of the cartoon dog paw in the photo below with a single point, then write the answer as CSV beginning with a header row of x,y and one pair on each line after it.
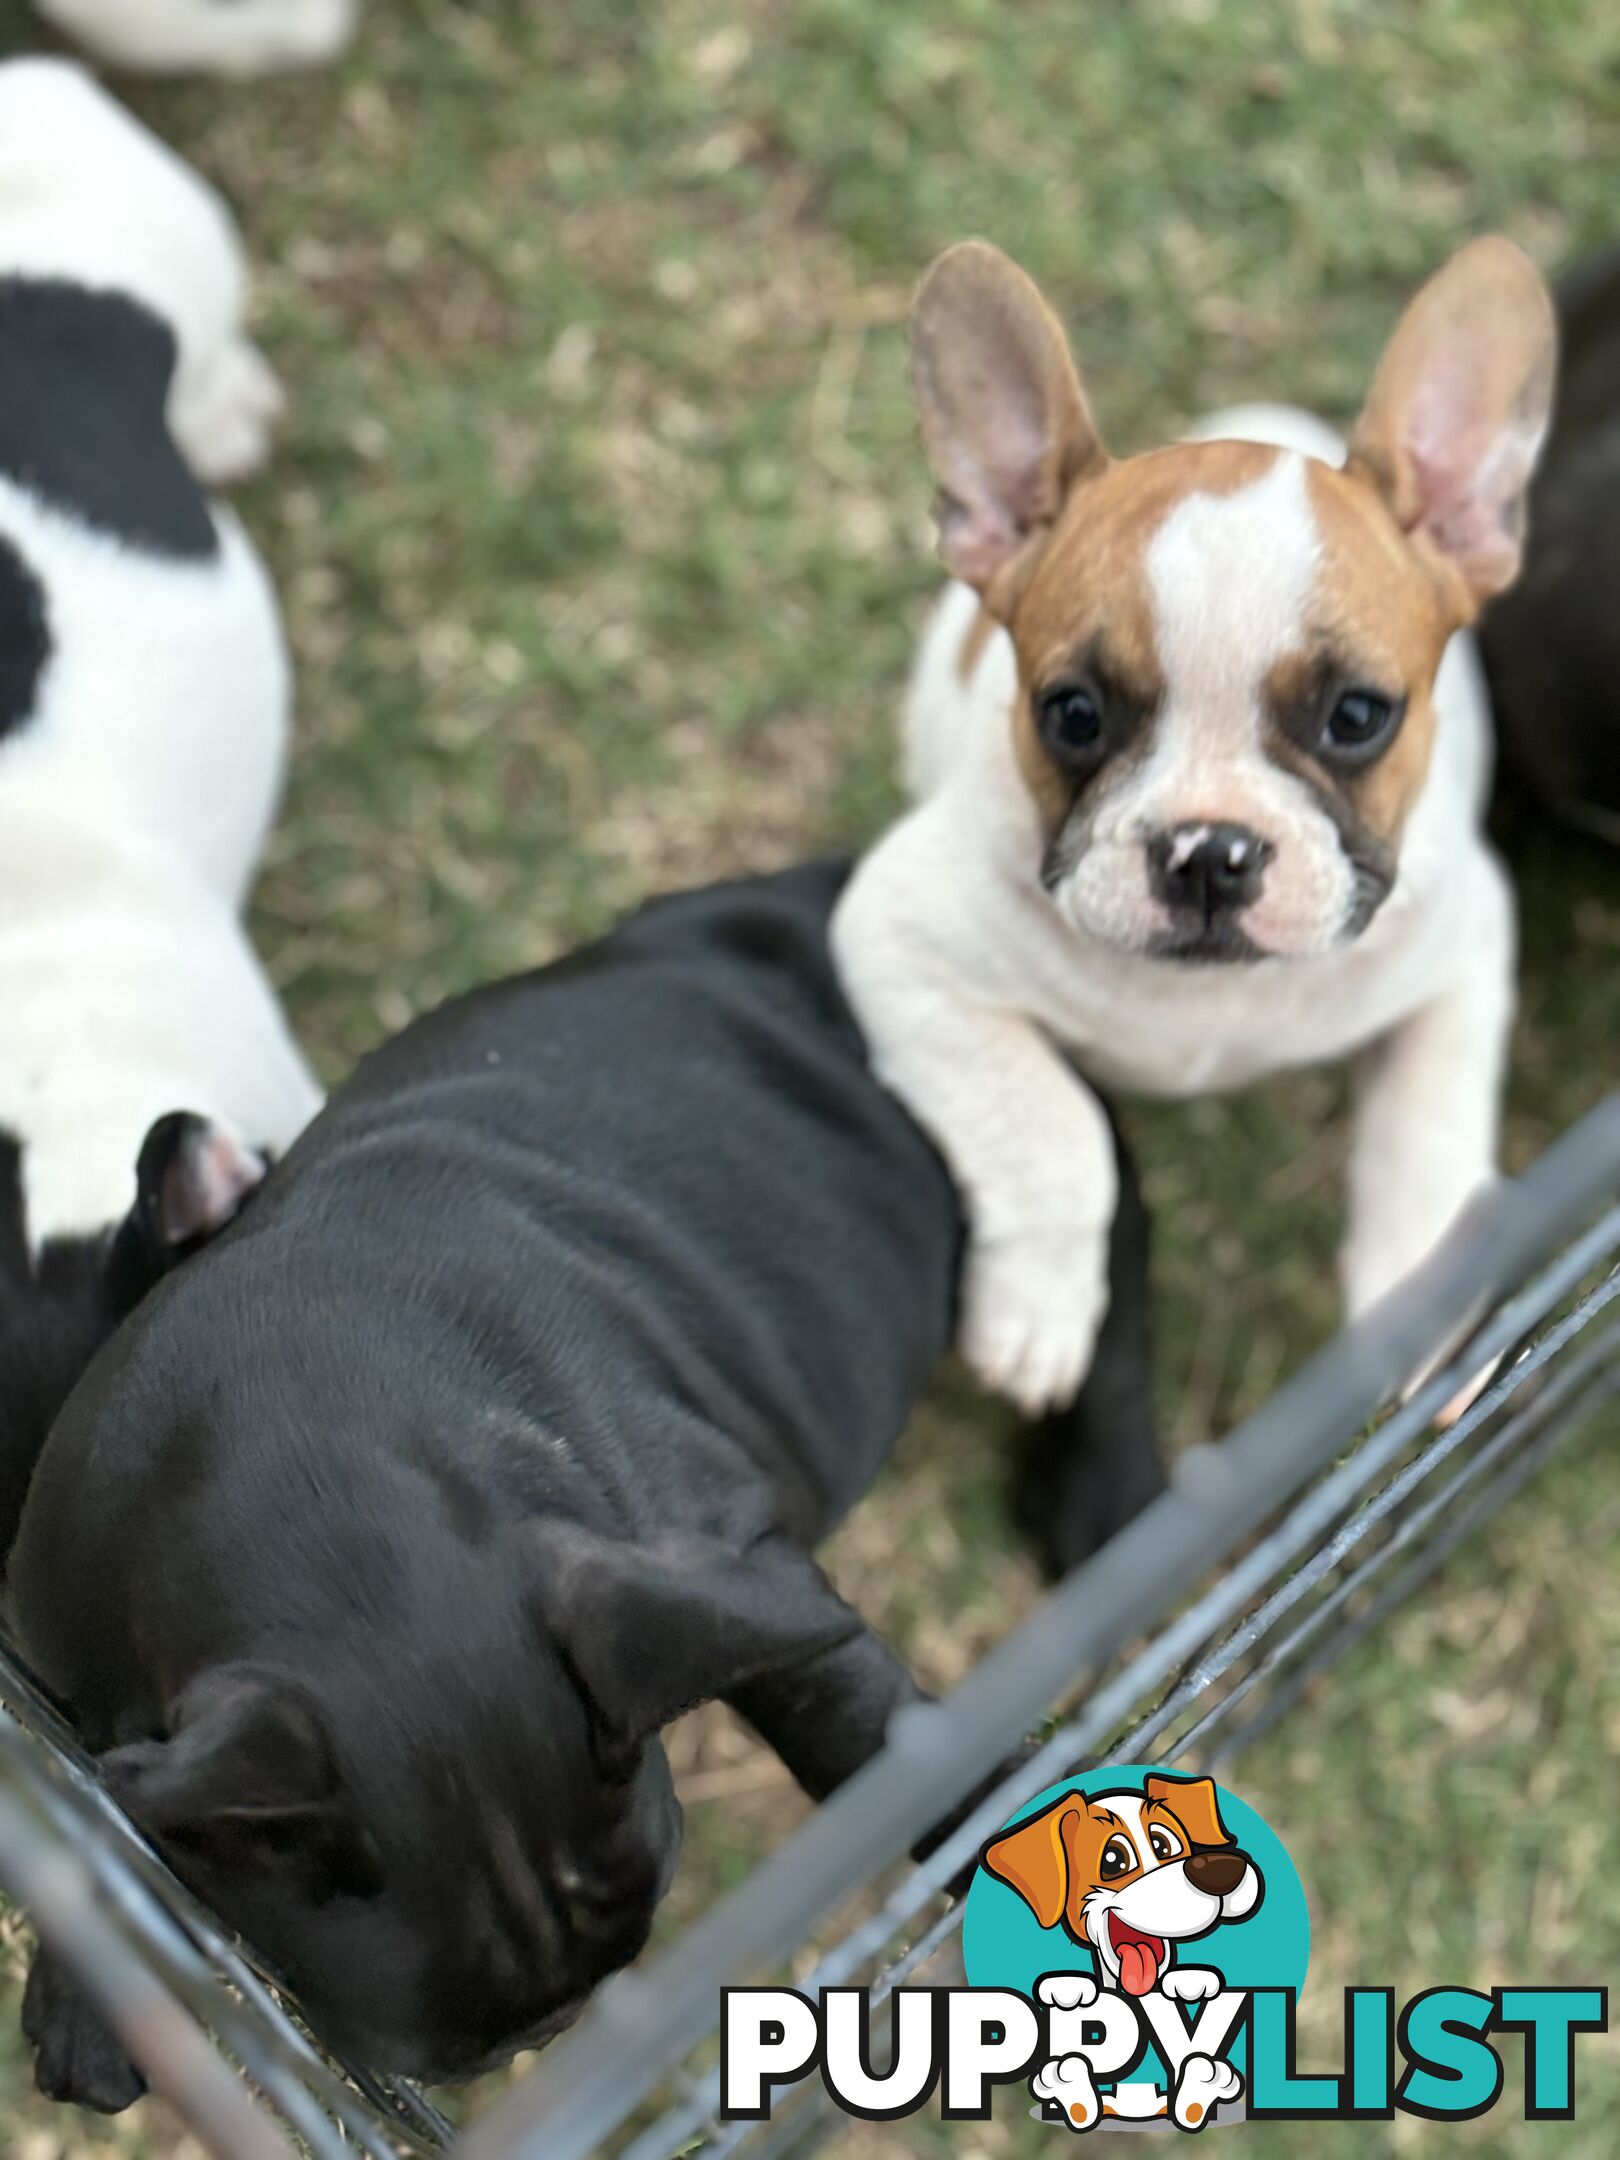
x,y
1200,2089
1030,1317
1068,2087
1191,1983
1067,1991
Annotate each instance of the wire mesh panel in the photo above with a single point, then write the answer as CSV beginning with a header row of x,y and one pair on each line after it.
x,y
1187,1637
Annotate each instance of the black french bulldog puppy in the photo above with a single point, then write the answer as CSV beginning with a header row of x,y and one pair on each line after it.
x,y
375,1550
1552,642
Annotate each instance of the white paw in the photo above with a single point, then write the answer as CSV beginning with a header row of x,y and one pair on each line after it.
x,y
1200,2089
1191,1983
1067,1991
1031,1308
225,423
1069,2086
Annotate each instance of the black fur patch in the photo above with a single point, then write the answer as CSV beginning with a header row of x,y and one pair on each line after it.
x,y
25,639
56,1310
84,377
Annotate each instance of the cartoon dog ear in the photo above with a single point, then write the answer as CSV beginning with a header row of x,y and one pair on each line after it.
x,y
249,1758
650,1631
1195,1805
1457,411
1033,1859
1004,418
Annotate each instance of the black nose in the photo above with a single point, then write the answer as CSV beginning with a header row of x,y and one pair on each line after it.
x,y
1208,870
1217,1874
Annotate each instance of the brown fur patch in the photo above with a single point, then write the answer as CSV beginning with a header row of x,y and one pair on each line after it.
x,y
1089,585
1377,608
979,633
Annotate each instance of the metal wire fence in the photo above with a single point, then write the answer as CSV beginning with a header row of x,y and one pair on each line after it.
x,y
1189,1636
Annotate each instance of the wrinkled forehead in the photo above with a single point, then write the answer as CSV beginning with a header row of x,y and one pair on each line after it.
x,y
1213,563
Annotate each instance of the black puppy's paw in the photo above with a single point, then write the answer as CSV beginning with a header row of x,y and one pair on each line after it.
x,y
1074,1488
77,2058
932,1840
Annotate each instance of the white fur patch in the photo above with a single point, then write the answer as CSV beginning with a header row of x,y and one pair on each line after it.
x,y
136,795
1231,578
245,37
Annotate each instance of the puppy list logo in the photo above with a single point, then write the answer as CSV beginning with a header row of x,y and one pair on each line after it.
x,y
1135,1944
1125,1905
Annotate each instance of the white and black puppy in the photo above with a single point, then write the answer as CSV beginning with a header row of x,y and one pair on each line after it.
x,y
1201,755
89,195
144,693
211,37
1552,644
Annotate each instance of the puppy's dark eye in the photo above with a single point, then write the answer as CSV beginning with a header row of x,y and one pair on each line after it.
x,y
1071,723
1360,724
1118,1859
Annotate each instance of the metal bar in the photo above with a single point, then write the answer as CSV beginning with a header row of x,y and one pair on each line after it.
x,y
809,2110
643,2022
844,1961
176,2057
1516,1474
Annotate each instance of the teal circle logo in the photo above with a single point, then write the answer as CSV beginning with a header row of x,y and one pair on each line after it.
x,y
1143,1880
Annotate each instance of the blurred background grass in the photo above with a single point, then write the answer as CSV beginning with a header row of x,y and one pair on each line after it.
x,y
602,534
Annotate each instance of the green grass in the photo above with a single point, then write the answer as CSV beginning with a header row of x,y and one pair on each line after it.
x,y
602,533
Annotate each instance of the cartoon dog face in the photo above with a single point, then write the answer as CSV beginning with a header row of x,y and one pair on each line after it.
x,y
1130,1874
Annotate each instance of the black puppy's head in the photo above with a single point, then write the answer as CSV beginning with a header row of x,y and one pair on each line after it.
x,y
443,1832
60,1301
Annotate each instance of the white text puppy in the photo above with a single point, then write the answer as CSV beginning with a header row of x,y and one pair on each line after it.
x,y
1200,755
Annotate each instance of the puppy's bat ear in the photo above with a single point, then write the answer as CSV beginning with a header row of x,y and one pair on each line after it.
x,y
650,1631
1454,421
248,1762
1033,1859
243,1745
1195,1805
191,1179
1004,418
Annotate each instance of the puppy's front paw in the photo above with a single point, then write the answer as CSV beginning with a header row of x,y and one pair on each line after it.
x,y
1031,1308
225,424
1200,2089
77,2058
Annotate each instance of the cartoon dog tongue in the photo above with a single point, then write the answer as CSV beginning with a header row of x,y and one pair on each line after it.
x,y
1140,1957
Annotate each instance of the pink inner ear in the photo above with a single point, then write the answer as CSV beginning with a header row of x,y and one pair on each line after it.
x,y
993,491
974,543
1470,478
206,1184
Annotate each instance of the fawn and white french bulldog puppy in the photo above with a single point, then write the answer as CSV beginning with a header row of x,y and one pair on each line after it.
x,y
90,196
212,37
1200,751
144,700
